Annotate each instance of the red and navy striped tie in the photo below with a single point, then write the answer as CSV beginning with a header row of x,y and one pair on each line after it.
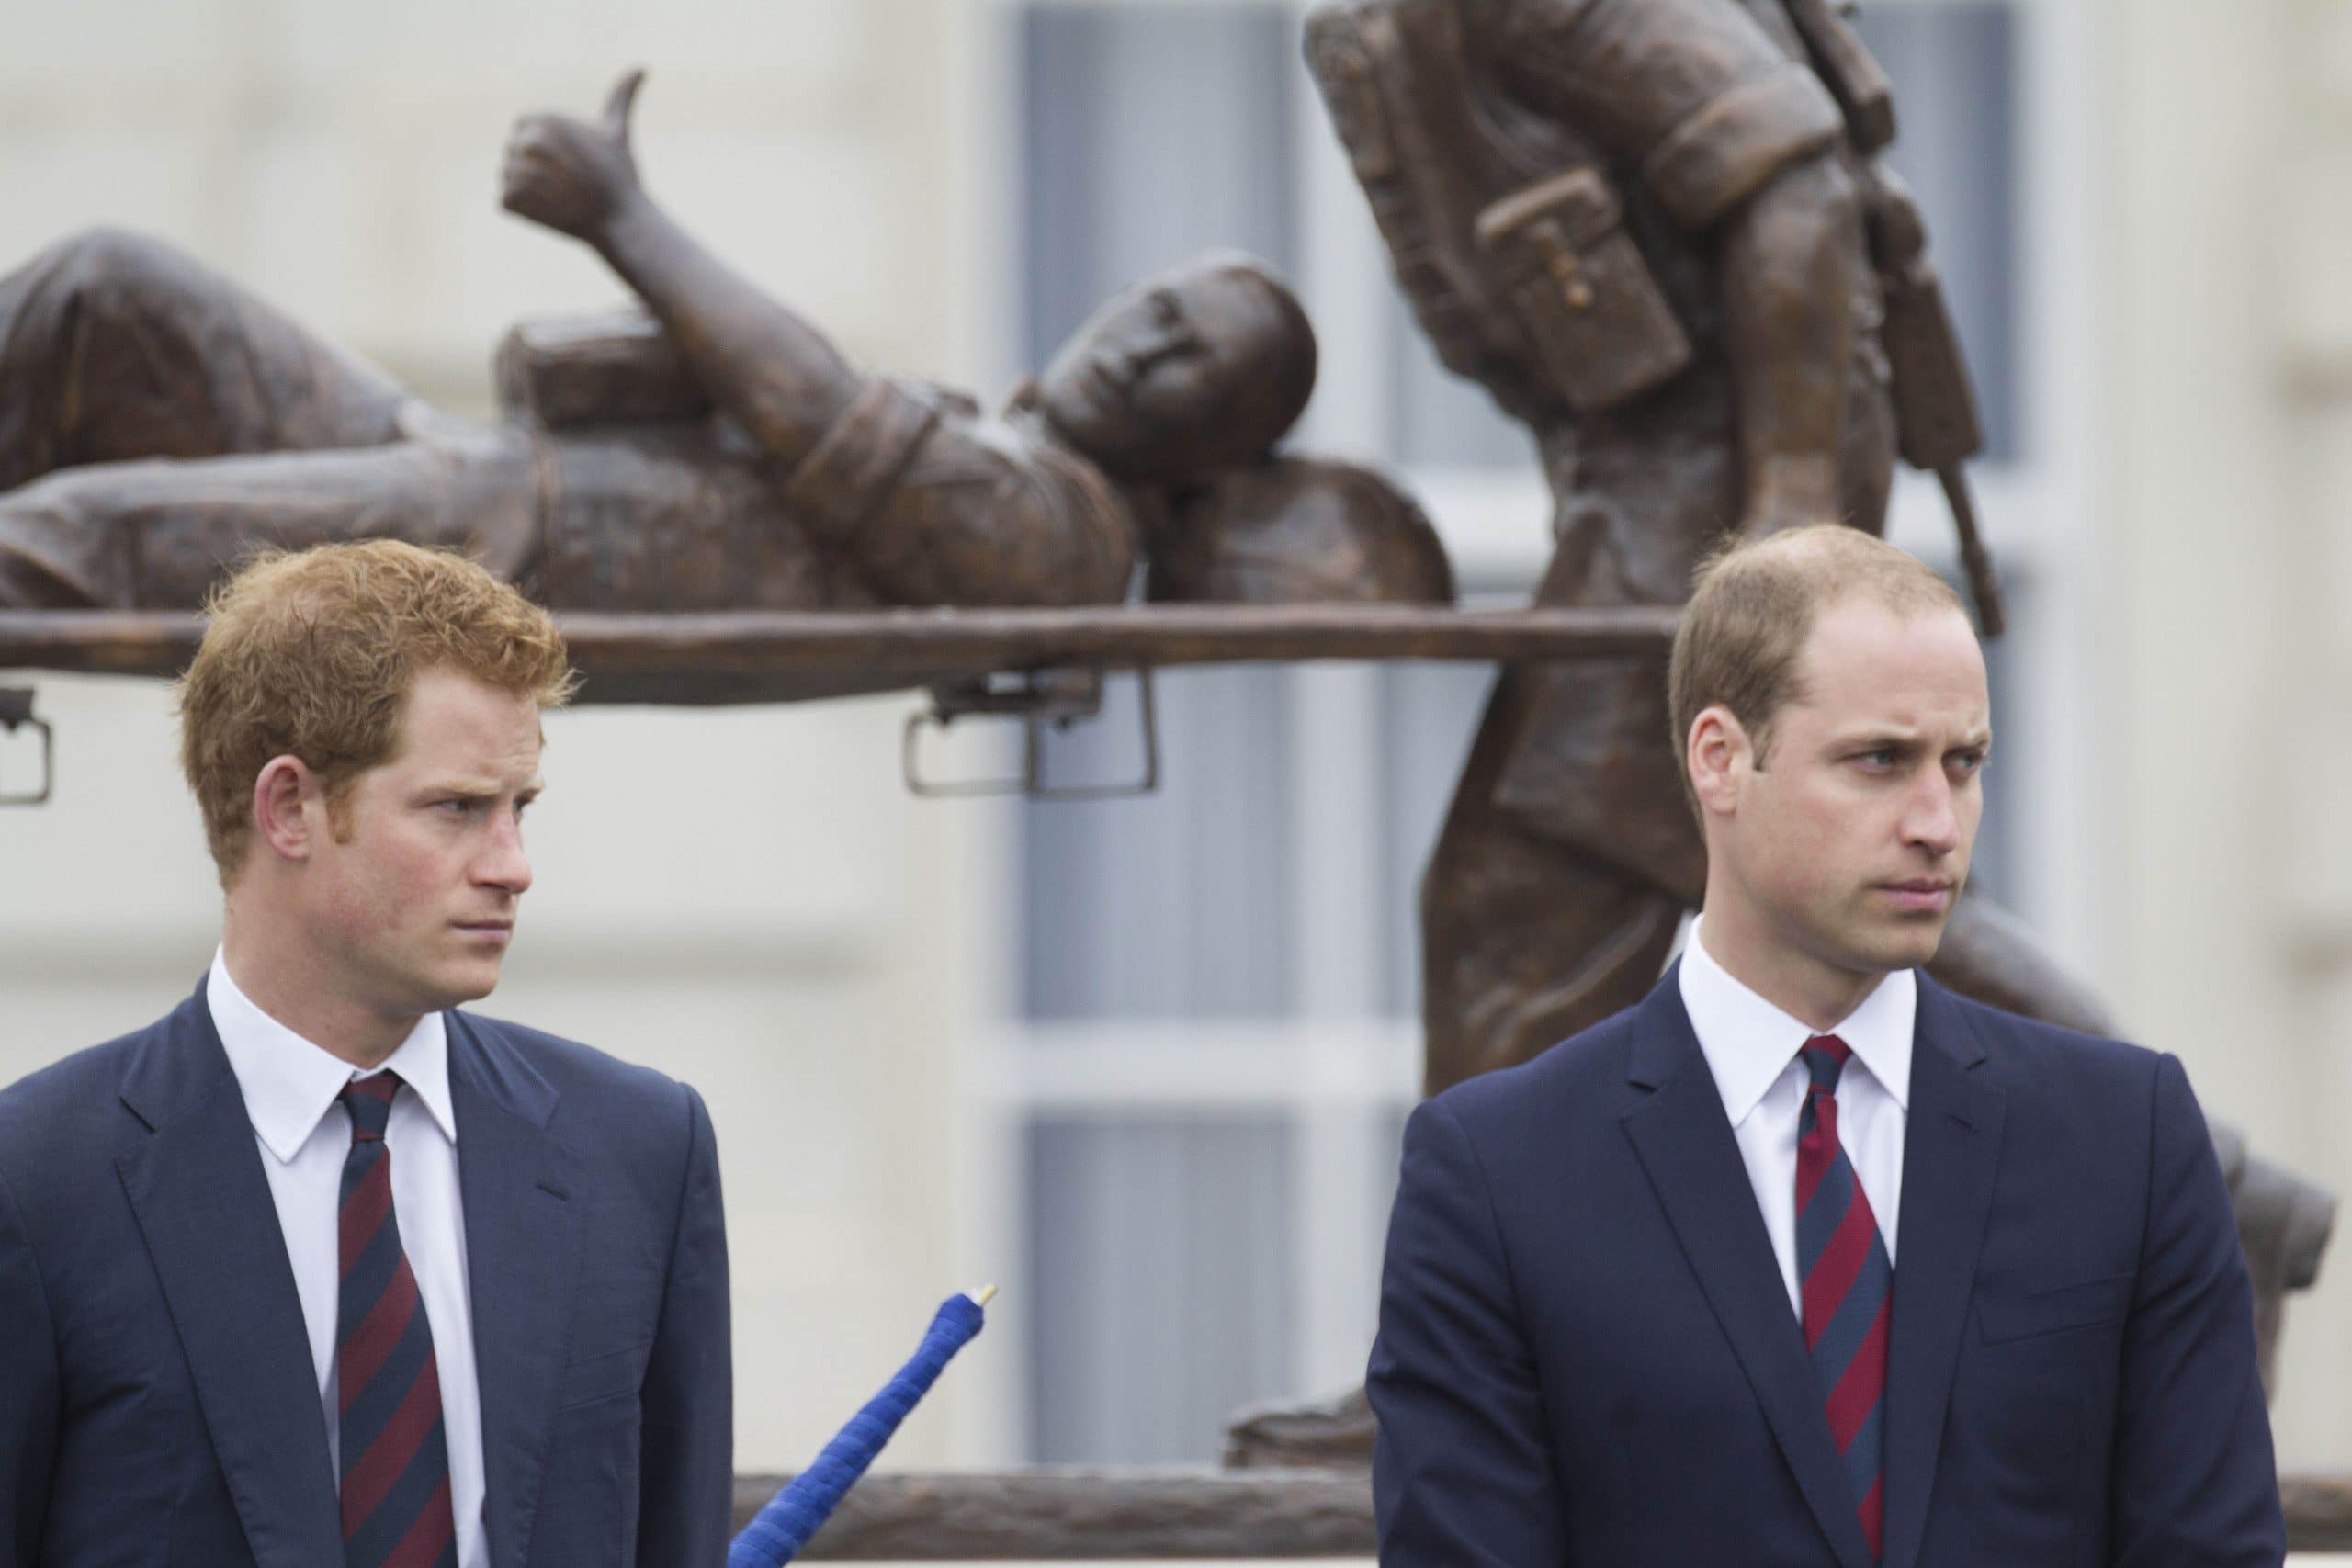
x,y
1848,1286
396,1511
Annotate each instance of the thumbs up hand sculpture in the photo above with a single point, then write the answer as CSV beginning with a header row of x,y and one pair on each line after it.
x,y
570,175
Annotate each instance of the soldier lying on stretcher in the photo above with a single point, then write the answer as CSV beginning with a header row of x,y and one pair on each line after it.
x,y
157,421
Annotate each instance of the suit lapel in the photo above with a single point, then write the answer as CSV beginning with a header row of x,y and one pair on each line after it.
x,y
1686,1146
1951,1148
522,1256
203,1205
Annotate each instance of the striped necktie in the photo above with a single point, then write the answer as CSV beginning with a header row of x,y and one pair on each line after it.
x,y
1848,1286
395,1481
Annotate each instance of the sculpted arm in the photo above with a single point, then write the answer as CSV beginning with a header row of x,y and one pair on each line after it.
x,y
1463,1470
773,372
1793,261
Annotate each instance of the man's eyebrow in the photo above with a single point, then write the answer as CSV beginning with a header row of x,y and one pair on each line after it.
x,y
1904,740
1874,739
1901,739
479,789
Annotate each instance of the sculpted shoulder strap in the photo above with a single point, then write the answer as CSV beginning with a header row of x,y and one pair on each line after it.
x,y
1848,69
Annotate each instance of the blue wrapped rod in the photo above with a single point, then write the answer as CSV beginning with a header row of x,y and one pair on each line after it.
x,y
809,1499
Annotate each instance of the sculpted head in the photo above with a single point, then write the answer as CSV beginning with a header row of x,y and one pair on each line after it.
x,y
360,727
1830,703
1202,367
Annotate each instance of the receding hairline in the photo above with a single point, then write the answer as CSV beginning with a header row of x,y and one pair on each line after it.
x,y
1902,610
1835,542
1830,565
1755,607
1801,691
1904,607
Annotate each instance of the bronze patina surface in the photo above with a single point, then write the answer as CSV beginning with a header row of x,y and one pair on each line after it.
x,y
709,449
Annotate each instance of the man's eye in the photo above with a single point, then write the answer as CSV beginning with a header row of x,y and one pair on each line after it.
x,y
1882,756
460,807
1967,763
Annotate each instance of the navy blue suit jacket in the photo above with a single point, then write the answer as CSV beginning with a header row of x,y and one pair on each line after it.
x,y
1587,1354
158,1403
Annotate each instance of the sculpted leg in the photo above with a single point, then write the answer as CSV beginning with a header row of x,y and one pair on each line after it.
x,y
1526,938
116,346
157,535
1526,942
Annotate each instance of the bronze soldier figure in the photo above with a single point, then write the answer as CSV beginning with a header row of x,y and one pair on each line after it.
x,y
1653,231
709,450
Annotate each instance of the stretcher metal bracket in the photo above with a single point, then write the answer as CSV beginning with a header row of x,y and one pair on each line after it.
x,y
17,713
1042,700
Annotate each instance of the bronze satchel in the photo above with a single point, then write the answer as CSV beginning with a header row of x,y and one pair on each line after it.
x,y
1504,230
616,365
1602,325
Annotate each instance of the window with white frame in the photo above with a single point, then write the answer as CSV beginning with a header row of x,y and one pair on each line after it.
x,y
1216,1033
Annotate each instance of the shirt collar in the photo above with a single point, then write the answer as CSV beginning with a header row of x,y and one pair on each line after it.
x,y
288,1082
1748,1043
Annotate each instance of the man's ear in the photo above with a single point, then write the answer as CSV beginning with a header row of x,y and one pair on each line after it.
x,y
1717,753
284,793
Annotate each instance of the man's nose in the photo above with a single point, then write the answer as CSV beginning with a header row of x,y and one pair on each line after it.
x,y
503,863
1932,821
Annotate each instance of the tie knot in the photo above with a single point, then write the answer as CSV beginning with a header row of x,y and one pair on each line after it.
x,y
370,1101
1824,1057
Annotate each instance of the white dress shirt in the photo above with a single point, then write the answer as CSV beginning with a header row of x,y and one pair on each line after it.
x,y
1751,1047
290,1087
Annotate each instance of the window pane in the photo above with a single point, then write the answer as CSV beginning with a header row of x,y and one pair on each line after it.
x,y
1160,1254
1992,867
1427,714
1154,130
1954,66
1175,904
1388,1157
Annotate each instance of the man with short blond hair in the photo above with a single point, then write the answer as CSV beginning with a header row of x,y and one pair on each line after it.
x,y
1738,642
319,1269
1805,1259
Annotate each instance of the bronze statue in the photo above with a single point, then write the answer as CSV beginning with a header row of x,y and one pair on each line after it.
x,y
717,452
1654,232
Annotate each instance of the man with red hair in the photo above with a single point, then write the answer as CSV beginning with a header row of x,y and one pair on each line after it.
x,y
320,1268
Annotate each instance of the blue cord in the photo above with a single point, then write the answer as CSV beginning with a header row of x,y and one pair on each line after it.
x,y
805,1502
